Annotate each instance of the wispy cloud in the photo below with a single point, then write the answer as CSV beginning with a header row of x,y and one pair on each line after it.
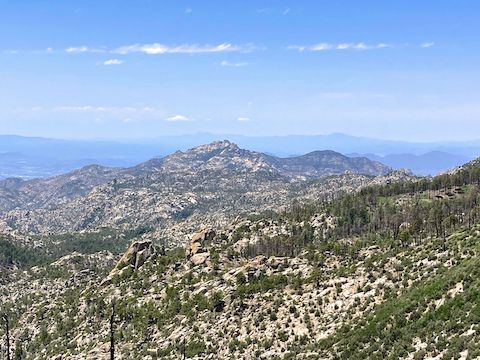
x,y
188,10
263,11
427,44
243,119
113,62
149,49
178,118
10,51
358,46
345,95
159,49
105,109
341,46
273,11
226,63
83,49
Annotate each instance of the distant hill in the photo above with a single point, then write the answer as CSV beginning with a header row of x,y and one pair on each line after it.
x,y
431,163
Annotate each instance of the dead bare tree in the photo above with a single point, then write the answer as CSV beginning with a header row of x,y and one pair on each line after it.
x,y
184,353
112,332
7,334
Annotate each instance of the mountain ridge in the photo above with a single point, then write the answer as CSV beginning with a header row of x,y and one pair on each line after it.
x,y
213,156
41,157
213,181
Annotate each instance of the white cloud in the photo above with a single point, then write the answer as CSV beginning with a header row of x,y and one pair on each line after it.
x,y
427,44
178,118
159,49
340,46
113,62
188,10
226,63
76,50
320,47
358,46
243,119
83,49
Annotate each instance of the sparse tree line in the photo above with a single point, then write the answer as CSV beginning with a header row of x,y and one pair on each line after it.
x,y
406,212
410,209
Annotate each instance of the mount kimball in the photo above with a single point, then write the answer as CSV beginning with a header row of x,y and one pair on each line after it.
x,y
208,184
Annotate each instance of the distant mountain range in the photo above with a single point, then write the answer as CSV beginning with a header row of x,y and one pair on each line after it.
x,y
29,157
431,163
213,180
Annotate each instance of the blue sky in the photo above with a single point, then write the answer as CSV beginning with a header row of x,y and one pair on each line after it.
x,y
399,69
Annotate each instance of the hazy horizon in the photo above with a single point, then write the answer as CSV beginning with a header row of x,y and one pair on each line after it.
x,y
226,136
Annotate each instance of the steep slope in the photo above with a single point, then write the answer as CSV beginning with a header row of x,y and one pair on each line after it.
x,y
51,192
472,164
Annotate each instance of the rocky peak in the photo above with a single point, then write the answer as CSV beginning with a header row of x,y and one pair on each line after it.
x,y
217,145
216,148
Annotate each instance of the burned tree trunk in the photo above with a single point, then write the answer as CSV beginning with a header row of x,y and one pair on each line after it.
x,y
7,333
112,332
184,353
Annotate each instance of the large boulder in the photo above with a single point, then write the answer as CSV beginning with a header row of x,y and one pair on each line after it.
x,y
200,258
198,239
196,252
203,235
135,256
